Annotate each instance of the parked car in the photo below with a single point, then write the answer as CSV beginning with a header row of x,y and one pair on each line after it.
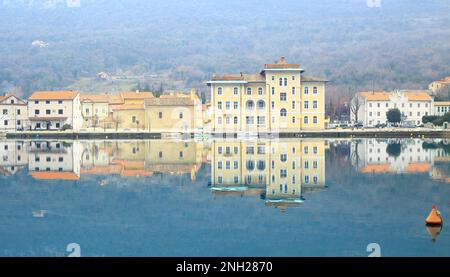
x,y
381,125
358,125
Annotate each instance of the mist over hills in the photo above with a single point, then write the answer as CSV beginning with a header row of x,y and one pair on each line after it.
x,y
402,44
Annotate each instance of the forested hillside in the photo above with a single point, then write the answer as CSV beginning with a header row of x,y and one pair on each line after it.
x,y
179,44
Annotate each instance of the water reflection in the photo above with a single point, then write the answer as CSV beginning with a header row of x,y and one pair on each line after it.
x,y
394,156
110,195
279,171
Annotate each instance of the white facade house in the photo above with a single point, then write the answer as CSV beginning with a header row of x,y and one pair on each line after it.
x,y
13,112
441,107
373,106
390,156
51,110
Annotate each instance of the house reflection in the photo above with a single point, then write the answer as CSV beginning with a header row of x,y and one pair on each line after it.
x,y
278,170
142,158
377,156
50,160
14,157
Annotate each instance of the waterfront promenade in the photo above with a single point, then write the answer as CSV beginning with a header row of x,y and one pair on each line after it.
x,y
327,133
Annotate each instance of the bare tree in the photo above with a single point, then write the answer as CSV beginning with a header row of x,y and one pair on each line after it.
x,y
355,105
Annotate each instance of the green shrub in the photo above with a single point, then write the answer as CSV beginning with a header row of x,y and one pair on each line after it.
x,y
66,127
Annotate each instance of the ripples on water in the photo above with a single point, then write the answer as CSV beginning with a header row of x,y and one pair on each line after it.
x,y
309,197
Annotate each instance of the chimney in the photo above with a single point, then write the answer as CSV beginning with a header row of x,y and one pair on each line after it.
x,y
282,60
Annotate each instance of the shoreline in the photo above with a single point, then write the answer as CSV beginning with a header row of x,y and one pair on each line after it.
x,y
330,133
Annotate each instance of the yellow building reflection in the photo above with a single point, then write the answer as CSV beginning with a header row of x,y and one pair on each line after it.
x,y
278,170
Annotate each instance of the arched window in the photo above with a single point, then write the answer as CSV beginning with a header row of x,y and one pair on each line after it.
x,y
283,112
305,120
260,91
306,90
261,104
249,91
261,165
250,105
314,90
315,119
250,165
219,91
235,91
283,157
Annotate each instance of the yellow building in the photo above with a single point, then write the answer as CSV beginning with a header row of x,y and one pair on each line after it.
x,y
174,113
127,111
94,108
439,85
279,99
279,170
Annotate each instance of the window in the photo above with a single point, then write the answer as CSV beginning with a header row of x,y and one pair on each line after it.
x,y
293,78
181,154
236,150
60,159
36,111
249,91
219,120
273,91
219,105
48,111
261,120
235,105
293,90
315,119
59,101
293,119
315,104
315,149
261,104
5,122
235,91
306,164
370,113
283,112
38,125
378,105
260,91
47,102
370,105
306,90
18,122
60,111
273,105
250,105
283,96
5,111
283,157
160,154
273,78
283,173
285,82
280,82
36,102
235,120
293,104
305,120
306,104
236,165
315,90
249,120
18,111
133,119
227,120
227,105
219,91
87,111
57,125
48,159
